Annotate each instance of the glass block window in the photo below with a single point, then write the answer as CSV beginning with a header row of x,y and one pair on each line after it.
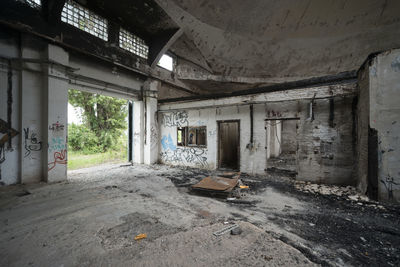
x,y
84,19
133,44
32,3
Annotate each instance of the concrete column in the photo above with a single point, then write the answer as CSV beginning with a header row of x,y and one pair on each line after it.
x,y
151,144
379,127
32,121
138,132
56,90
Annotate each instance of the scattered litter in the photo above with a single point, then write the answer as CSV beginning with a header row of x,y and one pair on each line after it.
x,y
240,201
363,239
140,236
231,198
267,258
225,230
126,165
311,224
244,187
236,231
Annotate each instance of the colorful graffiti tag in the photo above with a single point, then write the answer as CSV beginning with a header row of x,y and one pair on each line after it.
x,y
60,157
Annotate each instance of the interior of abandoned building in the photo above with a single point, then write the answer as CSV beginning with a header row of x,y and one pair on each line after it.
x,y
297,100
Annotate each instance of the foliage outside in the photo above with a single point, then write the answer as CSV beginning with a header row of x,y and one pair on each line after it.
x,y
103,123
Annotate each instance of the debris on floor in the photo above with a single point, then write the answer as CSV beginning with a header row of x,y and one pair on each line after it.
x,y
325,189
218,184
226,230
140,236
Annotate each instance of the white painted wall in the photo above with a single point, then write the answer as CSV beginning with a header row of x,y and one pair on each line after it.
x,y
39,108
316,162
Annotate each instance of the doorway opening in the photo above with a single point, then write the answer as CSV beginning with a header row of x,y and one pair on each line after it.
x,y
281,147
97,129
229,145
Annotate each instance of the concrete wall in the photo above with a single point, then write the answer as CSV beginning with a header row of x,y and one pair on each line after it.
x,y
325,148
380,97
10,157
41,76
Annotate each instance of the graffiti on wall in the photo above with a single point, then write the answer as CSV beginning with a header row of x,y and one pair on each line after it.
x,y
185,156
31,142
57,144
175,119
60,157
182,155
168,143
389,183
57,129
153,136
212,133
9,133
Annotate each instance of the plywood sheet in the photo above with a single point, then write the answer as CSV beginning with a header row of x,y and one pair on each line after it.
x,y
216,183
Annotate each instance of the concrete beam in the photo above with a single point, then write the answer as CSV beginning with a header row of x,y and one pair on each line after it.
x,y
161,43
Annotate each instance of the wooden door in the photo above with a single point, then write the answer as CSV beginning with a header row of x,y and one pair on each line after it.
x,y
229,144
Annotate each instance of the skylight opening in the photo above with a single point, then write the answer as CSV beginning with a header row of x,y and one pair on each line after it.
x,y
84,19
133,44
166,62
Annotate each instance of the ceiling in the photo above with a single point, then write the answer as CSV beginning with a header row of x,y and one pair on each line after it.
x,y
263,41
283,39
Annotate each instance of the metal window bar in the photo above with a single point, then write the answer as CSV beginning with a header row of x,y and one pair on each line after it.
x,y
84,19
133,44
32,3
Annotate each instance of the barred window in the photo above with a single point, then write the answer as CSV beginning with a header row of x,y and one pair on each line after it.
x,y
84,19
133,44
32,3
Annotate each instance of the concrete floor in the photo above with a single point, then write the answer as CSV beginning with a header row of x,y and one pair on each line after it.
x,y
92,220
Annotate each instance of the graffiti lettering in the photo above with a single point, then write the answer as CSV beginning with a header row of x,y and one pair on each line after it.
x,y
60,157
185,156
179,119
31,142
56,127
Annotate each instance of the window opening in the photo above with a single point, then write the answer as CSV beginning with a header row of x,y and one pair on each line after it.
x,y
192,136
166,62
132,43
85,20
32,3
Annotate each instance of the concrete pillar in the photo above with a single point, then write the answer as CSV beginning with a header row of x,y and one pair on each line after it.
x,y
151,139
56,112
138,132
379,127
32,121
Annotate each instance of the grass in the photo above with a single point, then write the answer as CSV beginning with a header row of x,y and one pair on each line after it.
x,y
78,160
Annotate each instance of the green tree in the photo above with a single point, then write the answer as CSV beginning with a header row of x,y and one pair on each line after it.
x,y
103,115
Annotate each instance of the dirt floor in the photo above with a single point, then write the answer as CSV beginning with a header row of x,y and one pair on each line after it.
x,y
93,218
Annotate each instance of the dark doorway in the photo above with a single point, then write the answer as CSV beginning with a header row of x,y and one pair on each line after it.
x,y
228,144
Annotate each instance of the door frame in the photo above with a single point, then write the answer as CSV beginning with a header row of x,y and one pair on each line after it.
x,y
219,143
